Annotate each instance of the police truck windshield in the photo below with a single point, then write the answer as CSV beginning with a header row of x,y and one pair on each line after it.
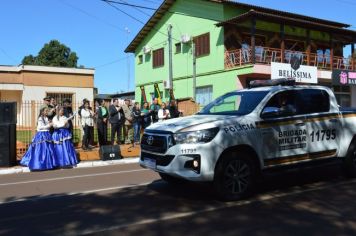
x,y
234,103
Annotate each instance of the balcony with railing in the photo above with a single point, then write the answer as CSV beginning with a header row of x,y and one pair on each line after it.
x,y
265,55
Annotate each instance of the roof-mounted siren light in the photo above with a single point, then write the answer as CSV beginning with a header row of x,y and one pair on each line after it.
x,y
147,49
185,38
272,82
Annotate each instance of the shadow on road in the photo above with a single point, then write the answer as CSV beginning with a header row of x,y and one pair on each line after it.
x,y
163,209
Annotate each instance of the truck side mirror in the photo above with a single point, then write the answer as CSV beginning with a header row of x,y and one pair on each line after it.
x,y
269,112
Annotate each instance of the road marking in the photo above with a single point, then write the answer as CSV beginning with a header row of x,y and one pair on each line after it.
x,y
74,193
73,177
261,198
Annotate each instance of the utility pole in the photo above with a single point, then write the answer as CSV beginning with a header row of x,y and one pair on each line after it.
x,y
194,70
170,56
128,60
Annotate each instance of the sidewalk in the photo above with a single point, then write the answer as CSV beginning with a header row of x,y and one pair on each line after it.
x,y
89,159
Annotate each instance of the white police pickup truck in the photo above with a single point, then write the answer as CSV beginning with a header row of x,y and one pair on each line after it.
x,y
242,133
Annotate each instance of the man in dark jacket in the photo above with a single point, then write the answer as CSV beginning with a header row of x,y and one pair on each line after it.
x,y
173,109
102,122
67,112
154,108
116,119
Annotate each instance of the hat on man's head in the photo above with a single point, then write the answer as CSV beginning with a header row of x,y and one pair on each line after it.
x,y
47,98
85,100
127,99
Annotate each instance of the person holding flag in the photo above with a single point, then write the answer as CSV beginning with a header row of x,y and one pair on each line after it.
x,y
157,101
145,109
172,106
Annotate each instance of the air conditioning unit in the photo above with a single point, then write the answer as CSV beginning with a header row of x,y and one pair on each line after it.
x,y
166,84
146,49
185,38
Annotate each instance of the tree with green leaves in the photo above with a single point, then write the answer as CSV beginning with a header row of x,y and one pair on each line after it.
x,y
53,54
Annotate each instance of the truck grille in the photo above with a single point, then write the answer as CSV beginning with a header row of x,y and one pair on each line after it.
x,y
155,143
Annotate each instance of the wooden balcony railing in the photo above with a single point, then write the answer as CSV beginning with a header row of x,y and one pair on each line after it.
x,y
264,55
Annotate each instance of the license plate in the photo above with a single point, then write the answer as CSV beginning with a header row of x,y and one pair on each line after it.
x,y
150,163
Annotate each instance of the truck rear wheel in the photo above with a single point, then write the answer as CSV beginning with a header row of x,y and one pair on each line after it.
x,y
235,177
349,165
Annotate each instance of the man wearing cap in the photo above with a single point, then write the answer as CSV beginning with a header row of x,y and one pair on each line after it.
x,y
52,106
67,112
128,121
45,104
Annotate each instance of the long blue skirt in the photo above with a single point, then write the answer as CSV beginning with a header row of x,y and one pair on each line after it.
x,y
40,154
63,148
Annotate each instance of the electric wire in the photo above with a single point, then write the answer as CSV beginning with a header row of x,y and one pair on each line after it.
x,y
113,62
90,15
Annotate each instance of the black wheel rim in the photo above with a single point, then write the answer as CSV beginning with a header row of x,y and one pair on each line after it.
x,y
236,177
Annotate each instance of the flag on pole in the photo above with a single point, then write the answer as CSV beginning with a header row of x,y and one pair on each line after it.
x,y
158,94
143,96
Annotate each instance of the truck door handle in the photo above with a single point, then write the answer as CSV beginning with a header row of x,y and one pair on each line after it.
x,y
299,123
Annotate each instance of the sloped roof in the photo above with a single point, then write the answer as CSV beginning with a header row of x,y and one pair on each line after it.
x,y
292,21
282,13
166,5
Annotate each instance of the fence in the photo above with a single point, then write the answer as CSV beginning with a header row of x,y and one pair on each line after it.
x,y
27,115
28,112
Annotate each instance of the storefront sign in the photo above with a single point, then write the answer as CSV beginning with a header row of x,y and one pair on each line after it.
x,y
302,74
343,77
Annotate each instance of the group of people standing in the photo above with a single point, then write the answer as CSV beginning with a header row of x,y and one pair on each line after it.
x,y
52,146
137,119
131,119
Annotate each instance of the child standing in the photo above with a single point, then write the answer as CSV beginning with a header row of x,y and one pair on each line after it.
x,y
40,154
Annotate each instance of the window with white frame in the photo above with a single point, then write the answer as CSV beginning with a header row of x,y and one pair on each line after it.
x,y
204,95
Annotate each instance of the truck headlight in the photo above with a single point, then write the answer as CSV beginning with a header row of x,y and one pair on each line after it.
x,y
201,136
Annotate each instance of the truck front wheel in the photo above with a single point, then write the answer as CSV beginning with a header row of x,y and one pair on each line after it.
x,y
235,177
349,165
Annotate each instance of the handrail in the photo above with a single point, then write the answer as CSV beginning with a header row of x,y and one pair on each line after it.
x,y
265,55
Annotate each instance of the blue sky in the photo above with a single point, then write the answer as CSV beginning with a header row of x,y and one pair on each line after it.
x,y
98,33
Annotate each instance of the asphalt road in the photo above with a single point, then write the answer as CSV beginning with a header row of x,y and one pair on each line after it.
x,y
129,200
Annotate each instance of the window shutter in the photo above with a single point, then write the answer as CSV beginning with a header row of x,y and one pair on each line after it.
x,y
202,45
158,57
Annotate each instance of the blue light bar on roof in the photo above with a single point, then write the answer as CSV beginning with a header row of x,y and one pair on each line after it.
x,y
273,82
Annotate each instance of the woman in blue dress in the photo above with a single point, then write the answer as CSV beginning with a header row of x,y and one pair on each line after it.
x,y
63,146
40,154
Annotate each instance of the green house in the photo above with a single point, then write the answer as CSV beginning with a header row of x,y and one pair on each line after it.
x,y
231,44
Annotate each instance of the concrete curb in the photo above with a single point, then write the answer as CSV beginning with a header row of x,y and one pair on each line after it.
x,y
82,164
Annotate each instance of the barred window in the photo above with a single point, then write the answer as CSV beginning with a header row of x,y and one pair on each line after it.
x,y
60,97
158,58
202,45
